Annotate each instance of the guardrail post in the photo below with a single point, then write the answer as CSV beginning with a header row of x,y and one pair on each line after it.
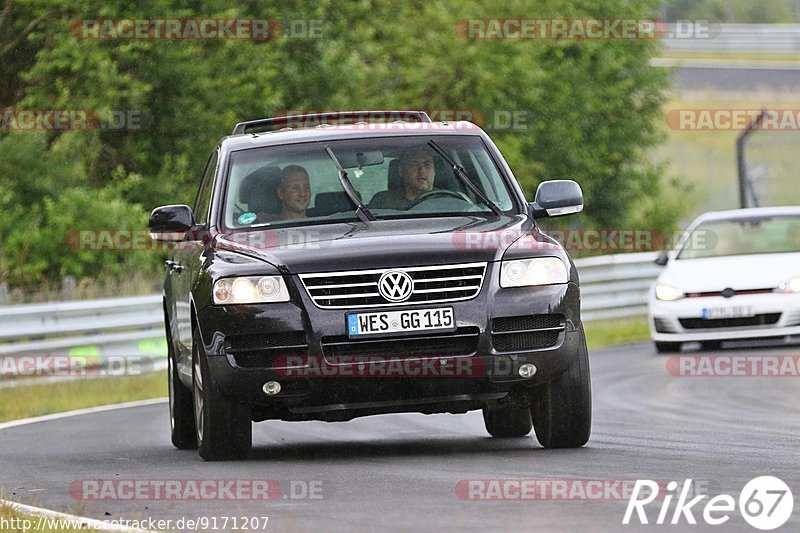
x,y
3,293
67,287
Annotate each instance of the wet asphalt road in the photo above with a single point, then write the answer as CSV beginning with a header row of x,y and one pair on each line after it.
x,y
400,472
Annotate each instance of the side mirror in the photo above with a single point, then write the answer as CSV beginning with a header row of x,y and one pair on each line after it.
x,y
556,198
662,259
170,223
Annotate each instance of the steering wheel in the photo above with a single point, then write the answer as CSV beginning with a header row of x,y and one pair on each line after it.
x,y
438,192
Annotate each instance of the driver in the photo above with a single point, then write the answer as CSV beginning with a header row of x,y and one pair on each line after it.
x,y
417,171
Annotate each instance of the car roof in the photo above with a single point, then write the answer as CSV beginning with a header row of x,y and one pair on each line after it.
x,y
348,131
750,212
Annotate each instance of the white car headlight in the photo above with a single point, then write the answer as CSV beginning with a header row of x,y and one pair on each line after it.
x,y
793,285
668,293
250,290
528,272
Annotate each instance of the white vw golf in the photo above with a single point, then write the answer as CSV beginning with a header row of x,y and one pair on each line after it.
x,y
735,275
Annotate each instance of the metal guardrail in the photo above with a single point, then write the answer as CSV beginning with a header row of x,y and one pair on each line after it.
x,y
763,38
109,327
612,286
615,286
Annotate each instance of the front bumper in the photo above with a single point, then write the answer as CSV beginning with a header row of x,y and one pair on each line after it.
x,y
669,320
316,384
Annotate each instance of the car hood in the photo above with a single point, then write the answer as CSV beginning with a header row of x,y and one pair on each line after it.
x,y
386,243
763,271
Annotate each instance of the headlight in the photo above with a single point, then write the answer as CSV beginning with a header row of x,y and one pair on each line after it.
x,y
793,285
668,293
250,290
528,272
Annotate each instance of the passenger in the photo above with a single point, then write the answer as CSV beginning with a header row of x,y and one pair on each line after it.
x,y
294,192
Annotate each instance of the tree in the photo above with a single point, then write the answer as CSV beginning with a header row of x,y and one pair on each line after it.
x,y
590,107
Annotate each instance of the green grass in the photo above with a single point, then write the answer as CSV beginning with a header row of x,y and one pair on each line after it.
x,y
602,333
42,399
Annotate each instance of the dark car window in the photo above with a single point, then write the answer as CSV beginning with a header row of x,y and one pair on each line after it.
x,y
299,183
203,203
744,236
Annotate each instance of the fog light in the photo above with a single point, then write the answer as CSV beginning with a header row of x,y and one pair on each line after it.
x,y
527,370
271,388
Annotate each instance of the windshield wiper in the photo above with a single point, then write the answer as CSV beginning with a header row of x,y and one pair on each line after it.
x,y
363,213
462,176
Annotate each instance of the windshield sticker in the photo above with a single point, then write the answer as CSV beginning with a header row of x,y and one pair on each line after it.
x,y
247,218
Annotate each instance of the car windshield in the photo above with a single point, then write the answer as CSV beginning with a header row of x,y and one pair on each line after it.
x,y
743,236
395,177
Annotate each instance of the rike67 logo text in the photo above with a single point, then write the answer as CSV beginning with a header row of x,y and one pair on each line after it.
x,y
765,503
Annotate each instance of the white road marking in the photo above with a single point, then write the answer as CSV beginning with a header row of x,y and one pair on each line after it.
x,y
90,523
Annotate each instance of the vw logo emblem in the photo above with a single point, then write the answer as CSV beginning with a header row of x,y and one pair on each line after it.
x,y
395,286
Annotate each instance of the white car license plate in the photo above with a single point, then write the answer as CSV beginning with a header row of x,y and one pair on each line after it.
x,y
740,311
384,322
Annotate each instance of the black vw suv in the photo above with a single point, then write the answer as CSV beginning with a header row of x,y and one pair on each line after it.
x,y
352,264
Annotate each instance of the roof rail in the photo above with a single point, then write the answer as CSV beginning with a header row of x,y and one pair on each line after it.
x,y
360,116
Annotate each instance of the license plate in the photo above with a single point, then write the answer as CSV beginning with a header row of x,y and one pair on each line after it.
x,y
711,313
400,321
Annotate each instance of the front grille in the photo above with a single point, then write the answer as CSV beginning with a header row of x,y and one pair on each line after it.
x,y
709,294
527,322
528,332
663,325
264,350
445,283
464,341
756,320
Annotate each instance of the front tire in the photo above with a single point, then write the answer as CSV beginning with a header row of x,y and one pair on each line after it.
x,y
510,421
224,427
562,408
181,409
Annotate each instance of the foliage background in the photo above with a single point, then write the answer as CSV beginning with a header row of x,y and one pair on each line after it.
x,y
592,107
